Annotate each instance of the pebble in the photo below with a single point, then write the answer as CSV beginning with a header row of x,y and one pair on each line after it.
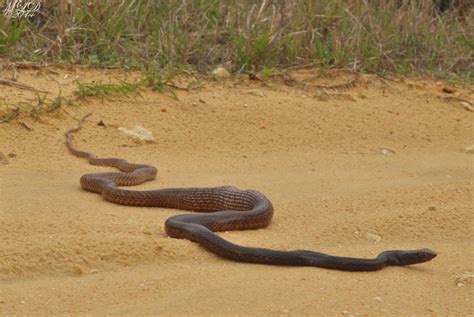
x,y
464,278
377,299
221,72
139,133
448,90
387,151
467,106
256,92
469,149
373,237
77,269
345,312
3,159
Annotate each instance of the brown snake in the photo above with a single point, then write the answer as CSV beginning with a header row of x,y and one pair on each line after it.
x,y
231,209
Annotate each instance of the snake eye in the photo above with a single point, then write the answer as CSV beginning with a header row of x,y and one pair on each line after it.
x,y
421,255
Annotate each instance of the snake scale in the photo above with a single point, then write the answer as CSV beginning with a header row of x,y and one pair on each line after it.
x,y
228,208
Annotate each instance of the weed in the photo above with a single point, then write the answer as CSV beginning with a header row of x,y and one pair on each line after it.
x,y
10,33
268,72
35,108
159,80
102,90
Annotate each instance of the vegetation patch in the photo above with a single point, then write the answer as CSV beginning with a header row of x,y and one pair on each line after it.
x,y
402,37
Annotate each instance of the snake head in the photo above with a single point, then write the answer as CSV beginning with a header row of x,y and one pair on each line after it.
x,y
415,256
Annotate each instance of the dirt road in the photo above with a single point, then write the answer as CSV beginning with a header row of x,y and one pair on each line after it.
x,y
365,166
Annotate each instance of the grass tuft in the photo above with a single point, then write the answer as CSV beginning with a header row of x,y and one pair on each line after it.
x,y
101,90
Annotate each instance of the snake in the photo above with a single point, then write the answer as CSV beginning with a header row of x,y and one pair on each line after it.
x,y
217,209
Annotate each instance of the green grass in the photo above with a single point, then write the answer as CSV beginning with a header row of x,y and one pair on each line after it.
x,y
392,36
101,90
154,78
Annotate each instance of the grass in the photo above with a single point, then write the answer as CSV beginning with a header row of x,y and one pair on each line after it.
x,y
393,36
156,80
42,104
102,90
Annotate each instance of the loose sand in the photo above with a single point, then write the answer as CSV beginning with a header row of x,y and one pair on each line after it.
x,y
370,166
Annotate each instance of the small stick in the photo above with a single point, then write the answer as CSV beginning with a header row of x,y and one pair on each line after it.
x,y
18,85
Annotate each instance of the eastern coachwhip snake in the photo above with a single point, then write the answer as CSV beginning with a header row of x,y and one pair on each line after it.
x,y
231,209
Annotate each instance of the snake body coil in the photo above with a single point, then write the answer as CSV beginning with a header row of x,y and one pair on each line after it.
x,y
230,209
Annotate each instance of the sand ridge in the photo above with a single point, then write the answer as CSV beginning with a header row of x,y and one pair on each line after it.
x,y
351,171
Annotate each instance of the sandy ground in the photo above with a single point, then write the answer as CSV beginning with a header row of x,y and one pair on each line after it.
x,y
353,171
